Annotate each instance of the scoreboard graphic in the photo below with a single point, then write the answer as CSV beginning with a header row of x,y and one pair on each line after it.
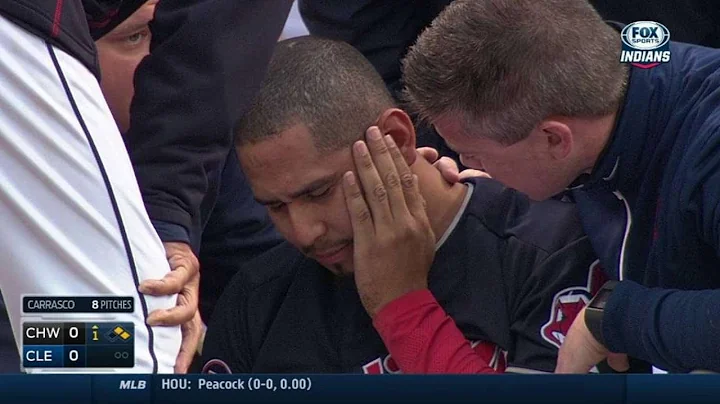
x,y
101,343
78,345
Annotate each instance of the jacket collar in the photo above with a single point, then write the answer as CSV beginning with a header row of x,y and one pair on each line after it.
x,y
625,157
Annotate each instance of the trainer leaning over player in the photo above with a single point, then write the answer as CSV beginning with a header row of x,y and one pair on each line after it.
x,y
542,107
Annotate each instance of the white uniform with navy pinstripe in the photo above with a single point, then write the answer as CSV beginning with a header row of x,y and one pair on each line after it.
x,y
72,221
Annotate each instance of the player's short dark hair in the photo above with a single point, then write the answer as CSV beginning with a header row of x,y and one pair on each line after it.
x,y
502,66
326,85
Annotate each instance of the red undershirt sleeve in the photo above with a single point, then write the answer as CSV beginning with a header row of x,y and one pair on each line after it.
x,y
422,338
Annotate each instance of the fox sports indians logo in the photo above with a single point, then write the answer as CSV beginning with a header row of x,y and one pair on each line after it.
x,y
567,304
645,44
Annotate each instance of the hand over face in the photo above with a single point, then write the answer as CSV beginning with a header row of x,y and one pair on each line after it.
x,y
394,245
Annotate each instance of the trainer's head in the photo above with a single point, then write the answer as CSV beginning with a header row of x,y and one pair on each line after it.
x,y
120,51
524,89
318,98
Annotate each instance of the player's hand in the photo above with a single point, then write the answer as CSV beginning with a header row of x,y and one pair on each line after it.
x,y
193,332
394,245
580,351
183,279
448,167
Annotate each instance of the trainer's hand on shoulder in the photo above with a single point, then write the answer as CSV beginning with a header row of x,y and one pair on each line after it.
x,y
394,245
448,167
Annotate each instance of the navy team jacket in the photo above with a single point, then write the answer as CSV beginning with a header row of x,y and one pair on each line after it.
x,y
651,208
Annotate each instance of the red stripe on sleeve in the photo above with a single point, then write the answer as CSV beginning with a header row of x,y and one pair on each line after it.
x,y
56,18
422,338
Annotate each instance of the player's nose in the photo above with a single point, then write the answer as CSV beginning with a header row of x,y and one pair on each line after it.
x,y
307,225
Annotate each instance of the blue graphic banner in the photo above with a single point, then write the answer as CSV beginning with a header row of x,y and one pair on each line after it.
x,y
212,389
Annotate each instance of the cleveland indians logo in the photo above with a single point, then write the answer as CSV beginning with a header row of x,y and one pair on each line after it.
x,y
568,303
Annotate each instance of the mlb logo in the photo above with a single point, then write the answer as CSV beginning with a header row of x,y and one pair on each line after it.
x,y
645,44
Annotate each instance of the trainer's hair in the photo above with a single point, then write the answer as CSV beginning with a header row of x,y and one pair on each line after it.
x,y
502,66
326,85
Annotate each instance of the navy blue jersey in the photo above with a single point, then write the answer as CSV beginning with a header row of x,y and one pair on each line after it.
x,y
651,210
511,273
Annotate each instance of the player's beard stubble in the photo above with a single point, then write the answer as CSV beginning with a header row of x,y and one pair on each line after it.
x,y
343,267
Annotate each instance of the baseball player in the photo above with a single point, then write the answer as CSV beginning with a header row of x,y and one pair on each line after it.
x,y
476,272
633,145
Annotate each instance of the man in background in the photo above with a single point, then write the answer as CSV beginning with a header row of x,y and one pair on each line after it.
x,y
176,150
238,228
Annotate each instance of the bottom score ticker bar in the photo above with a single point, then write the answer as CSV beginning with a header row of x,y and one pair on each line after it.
x,y
591,389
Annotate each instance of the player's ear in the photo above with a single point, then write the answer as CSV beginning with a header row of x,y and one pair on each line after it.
x,y
396,123
556,136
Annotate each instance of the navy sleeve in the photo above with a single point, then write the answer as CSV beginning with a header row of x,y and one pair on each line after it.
x,y
208,58
679,330
675,330
238,230
169,232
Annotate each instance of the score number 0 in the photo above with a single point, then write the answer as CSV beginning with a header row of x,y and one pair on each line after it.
x,y
73,355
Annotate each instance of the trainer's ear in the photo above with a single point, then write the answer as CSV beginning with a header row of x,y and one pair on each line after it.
x,y
556,136
396,123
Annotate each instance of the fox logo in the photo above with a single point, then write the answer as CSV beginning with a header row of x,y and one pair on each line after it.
x,y
567,304
495,357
